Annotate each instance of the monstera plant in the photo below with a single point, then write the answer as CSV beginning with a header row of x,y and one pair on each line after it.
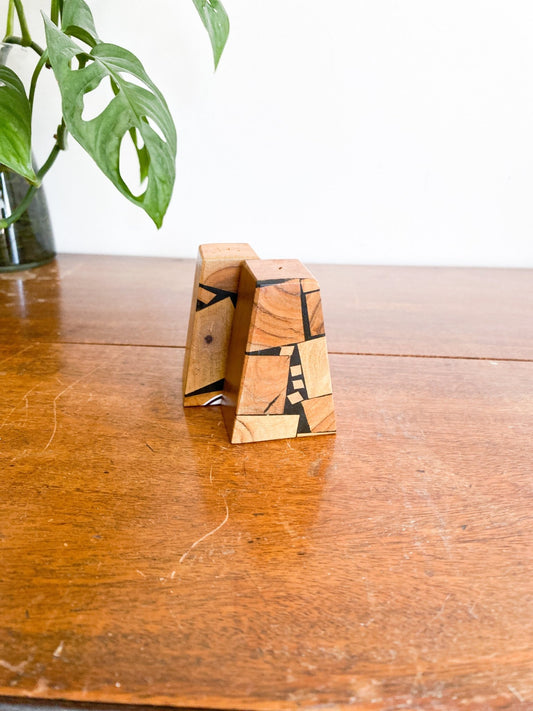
x,y
81,61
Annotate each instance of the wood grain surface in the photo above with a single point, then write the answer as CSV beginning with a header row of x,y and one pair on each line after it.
x,y
474,313
145,560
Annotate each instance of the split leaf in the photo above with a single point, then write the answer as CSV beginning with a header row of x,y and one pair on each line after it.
x,y
216,23
77,21
136,103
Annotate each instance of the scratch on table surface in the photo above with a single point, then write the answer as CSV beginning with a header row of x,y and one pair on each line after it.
x,y
9,415
516,693
257,587
27,407
70,271
207,535
41,687
441,610
470,609
84,377
24,398
15,668
20,456
59,650
14,355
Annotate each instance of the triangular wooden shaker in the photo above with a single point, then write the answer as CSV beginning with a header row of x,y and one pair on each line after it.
x,y
278,381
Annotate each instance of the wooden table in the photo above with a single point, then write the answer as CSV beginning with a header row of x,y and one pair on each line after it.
x,y
144,560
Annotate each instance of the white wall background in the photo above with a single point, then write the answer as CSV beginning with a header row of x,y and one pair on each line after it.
x,y
364,131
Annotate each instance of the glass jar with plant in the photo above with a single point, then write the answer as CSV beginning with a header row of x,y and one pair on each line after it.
x,y
137,111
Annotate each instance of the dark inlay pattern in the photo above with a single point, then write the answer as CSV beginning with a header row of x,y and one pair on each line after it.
x,y
211,388
276,351
296,392
305,313
219,295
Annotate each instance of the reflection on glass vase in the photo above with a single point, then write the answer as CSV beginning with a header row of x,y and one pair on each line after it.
x,y
29,241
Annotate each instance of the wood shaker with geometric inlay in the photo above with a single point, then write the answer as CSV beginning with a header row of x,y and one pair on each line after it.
x,y
278,381
212,309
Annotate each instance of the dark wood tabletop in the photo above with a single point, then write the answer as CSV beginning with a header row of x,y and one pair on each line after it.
x,y
146,561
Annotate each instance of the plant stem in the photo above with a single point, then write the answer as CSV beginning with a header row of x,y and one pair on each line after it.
x,y
10,18
54,11
33,84
21,209
24,203
20,41
25,30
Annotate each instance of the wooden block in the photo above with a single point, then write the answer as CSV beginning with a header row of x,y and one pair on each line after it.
x,y
258,428
277,377
279,320
295,397
320,414
211,316
272,372
314,361
287,350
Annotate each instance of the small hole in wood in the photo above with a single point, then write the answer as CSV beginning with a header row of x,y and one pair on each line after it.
x,y
208,339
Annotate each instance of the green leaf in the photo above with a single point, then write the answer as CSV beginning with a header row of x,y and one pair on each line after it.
x,y
77,21
131,107
15,120
142,153
216,23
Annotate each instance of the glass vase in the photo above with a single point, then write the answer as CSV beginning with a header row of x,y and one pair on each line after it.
x,y
29,241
